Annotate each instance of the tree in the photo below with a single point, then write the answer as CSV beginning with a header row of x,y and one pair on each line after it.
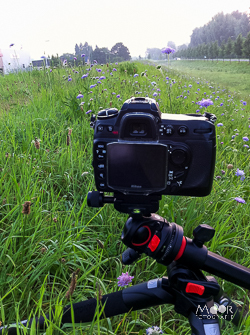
x,y
120,52
246,47
229,48
101,55
216,49
222,51
238,46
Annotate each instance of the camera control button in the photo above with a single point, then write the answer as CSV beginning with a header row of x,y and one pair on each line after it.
x,y
101,175
101,166
100,156
102,185
178,157
100,145
182,130
110,128
100,128
179,174
169,130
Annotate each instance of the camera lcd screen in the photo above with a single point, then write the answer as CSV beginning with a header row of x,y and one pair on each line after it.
x,y
137,167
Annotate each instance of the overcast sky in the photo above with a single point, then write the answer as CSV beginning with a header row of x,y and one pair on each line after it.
x,y
55,26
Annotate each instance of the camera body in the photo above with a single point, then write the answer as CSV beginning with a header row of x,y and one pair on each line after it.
x,y
140,151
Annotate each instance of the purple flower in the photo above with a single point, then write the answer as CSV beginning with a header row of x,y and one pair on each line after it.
x,y
114,69
168,50
82,55
244,103
240,200
89,111
246,146
221,104
11,45
153,331
124,279
92,86
136,75
85,76
155,94
245,138
205,102
70,79
79,96
240,173
102,77
75,58
219,124
118,96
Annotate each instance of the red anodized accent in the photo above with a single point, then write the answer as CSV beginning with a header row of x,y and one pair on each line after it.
x,y
182,248
195,288
154,243
149,237
115,132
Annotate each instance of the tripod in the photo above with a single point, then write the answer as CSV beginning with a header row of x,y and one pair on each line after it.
x,y
197,297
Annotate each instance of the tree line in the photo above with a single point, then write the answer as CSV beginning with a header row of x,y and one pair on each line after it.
x,y
212,50
84,53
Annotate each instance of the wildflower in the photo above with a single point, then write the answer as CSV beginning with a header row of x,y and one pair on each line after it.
x,y
69,131
223,172
70,79
230,166
92,86
240,173
36,143
26,207
72,284
85,76
75,58
124,279
245,138
168,50
89,111
219,124
136,75
118,96
244,103
82,55
240,200
11,45
79,96
155,94
205,102
153,331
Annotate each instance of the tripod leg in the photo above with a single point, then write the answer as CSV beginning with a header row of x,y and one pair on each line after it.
x,y
204,323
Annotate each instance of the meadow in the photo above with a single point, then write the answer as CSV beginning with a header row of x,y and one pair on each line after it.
x,y
47,230
234,75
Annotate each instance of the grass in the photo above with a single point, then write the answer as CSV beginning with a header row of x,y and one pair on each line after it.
x,y
233,75
39,251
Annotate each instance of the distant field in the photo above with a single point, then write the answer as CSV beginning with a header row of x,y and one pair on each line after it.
x,y
234,75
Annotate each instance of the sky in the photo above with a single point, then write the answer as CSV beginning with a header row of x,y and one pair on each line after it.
x,y
52,26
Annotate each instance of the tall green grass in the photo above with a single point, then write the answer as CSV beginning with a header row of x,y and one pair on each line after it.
x,y
234,75
39,251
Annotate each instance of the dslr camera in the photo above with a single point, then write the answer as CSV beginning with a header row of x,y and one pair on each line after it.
x,y
139,151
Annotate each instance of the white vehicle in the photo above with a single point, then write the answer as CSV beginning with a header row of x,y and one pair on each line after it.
x,y
12,60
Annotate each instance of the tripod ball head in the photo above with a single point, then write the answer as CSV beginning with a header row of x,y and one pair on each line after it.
x,y
154,236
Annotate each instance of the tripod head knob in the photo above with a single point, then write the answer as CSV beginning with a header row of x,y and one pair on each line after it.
x,y
203,233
